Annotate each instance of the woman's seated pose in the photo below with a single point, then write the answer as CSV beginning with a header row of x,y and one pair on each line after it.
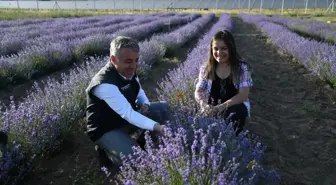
x,y
224,82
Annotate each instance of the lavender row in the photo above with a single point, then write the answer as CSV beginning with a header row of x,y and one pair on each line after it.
x,y
41,122
197,150
13,44
309,27
33,24
21,22
16,29
17,39
39,60
56,27
317,57
169,42
62,24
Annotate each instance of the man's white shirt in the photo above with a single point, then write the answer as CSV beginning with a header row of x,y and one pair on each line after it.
x,y
117,101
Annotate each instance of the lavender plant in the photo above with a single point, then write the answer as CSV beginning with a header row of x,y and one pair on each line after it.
x,y
197,151
317,57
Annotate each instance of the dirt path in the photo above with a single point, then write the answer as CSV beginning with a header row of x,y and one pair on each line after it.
x,y
292,111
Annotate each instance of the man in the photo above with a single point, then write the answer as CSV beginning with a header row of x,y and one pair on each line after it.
x,y
113,96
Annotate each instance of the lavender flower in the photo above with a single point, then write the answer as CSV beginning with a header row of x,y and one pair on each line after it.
x,y
213,160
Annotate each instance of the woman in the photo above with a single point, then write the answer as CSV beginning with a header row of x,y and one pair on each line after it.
x,y
224,81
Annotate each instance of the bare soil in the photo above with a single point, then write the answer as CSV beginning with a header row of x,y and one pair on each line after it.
x,y
293,112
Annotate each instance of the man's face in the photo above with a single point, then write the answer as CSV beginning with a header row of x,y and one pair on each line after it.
x,y
126,62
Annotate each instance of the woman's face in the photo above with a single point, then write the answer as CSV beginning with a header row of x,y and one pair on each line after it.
x,y
220,51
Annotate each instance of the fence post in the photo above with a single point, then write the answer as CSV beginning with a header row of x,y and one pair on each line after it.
x,y
306,6
17,2
225,3
261,5
234,3
282,6
293,6
327,3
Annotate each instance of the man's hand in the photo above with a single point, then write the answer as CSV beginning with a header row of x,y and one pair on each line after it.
x,y
144,109
159,129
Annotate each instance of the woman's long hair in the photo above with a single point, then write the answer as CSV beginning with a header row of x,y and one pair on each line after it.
x,y
234,58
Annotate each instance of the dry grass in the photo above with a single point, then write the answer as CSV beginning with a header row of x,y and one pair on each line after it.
x,y
331,19
12,14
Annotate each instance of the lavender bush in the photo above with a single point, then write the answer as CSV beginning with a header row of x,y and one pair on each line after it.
x,y
310,27
48,116
36,61
197,151
317,57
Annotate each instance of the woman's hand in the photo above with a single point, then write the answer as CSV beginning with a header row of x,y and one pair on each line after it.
x,y
221,107
207,109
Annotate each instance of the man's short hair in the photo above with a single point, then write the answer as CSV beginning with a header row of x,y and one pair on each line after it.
x,y
123,42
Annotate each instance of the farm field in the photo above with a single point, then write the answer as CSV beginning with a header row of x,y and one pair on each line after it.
x,y
291,132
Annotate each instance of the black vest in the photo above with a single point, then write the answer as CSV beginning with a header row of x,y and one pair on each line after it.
x,y
99,116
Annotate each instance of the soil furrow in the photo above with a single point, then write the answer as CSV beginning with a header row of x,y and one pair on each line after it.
x,y
294,114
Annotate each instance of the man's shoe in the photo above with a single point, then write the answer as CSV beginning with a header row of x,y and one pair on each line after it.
x,y
103,159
